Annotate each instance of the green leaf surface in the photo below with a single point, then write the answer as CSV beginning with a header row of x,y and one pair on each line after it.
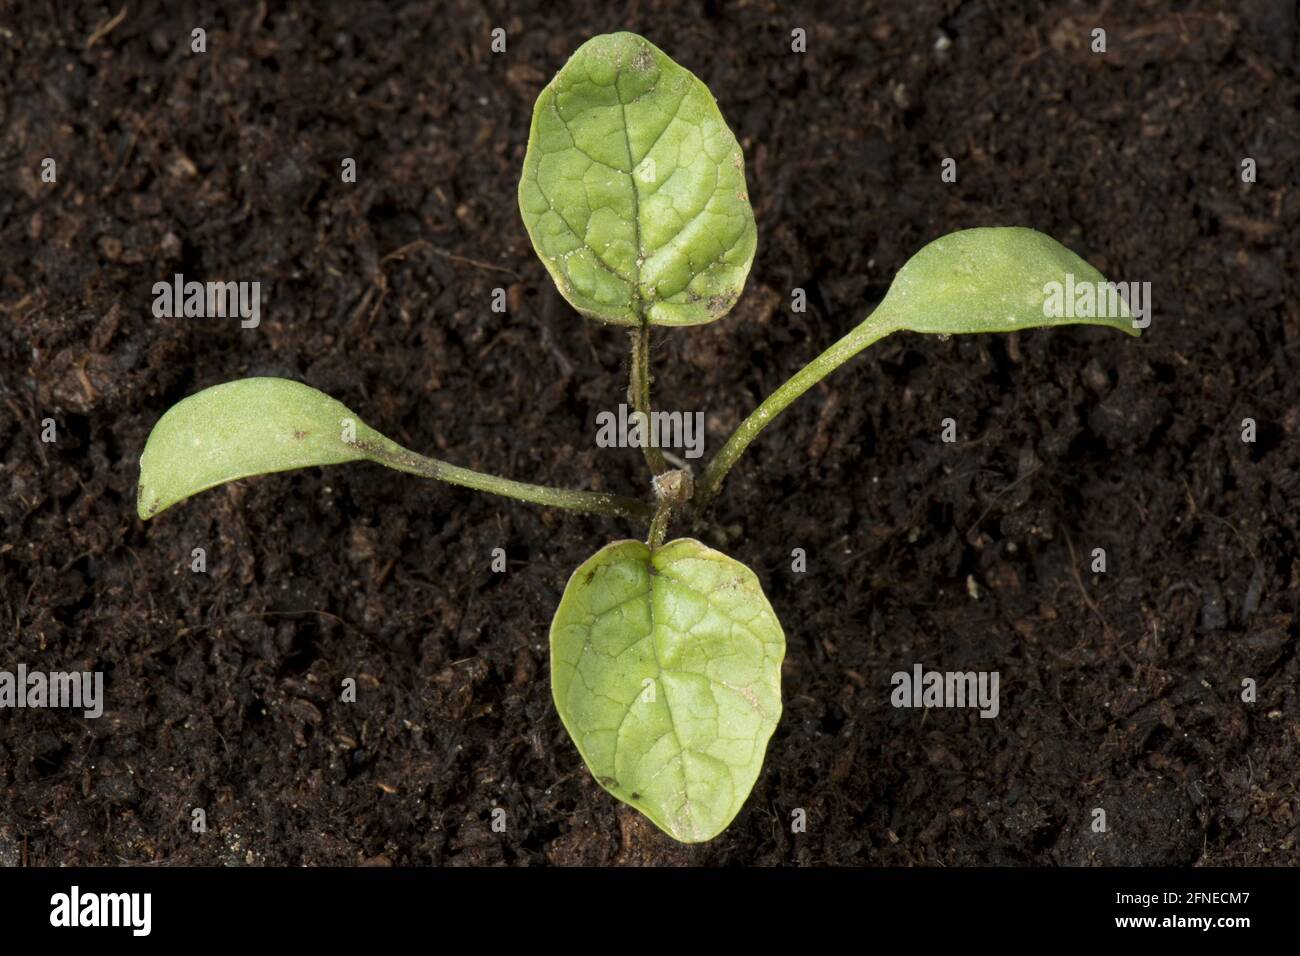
x,y
666,671
250,427
992,280
633,189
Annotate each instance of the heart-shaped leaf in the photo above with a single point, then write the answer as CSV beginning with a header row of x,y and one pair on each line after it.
x,y
633,189
250,427
999,280
666,671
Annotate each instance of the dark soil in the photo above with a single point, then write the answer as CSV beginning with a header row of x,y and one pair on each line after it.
x,y
1120,691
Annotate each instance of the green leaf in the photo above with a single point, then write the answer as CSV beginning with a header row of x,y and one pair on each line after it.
x,y
993,280
666,671
249,427
633,189
975,280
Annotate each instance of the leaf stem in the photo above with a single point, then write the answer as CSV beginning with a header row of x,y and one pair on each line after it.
x,y
638,391
396,457
659,526
673,489
874,328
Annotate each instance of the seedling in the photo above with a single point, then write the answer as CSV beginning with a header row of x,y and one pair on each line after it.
x,y
665,657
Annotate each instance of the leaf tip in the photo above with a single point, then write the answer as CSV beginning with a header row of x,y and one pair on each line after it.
x,y
146,504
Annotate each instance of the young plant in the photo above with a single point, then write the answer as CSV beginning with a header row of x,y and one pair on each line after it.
x,y
665,657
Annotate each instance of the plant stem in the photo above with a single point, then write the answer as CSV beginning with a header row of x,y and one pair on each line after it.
x,y
673,489
639,394
394,456
876,327
659,525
